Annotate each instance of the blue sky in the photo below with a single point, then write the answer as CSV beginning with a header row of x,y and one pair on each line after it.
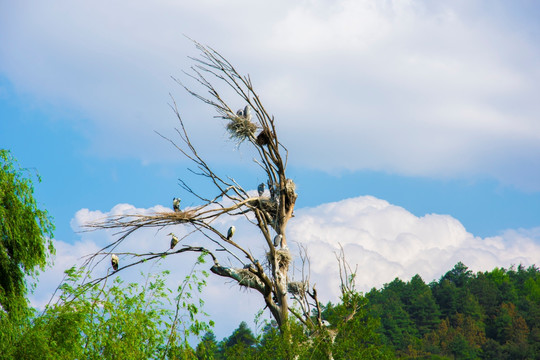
x,y
46,139
431,109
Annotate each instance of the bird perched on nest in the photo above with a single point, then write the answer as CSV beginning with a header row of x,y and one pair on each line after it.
x,y
230,233
114,261
277,240
174,240
247,113
260,189
176,204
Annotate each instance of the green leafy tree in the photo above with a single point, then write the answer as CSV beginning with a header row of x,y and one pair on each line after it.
x,y
242,335
459,338
459,275
113,321
397,328
207,347
356,337
25,234
421,305
512,331
486,292
110,322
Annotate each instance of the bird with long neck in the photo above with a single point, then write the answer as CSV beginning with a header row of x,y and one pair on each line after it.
x,y
174,240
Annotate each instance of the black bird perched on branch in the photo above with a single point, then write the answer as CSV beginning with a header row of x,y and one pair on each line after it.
x,y
230,233
176,204
174,240
260,189
114,261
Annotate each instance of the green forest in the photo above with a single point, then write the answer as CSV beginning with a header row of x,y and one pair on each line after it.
x,y
487,315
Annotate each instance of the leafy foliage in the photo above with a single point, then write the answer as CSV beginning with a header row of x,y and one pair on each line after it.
x,y
488,315
116,321
25,234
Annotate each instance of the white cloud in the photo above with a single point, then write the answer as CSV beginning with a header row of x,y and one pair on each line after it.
x,y
408,86
386,241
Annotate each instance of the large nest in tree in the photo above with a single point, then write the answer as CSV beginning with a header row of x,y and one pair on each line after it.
x,y
283,257
179,216
137,220
264,204
297,287
240,128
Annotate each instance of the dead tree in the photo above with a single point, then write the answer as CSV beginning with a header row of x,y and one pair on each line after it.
x,y
254,126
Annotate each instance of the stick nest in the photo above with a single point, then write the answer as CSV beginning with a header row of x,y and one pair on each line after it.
x,y
240,128
283,257
137,221
297,287
264,204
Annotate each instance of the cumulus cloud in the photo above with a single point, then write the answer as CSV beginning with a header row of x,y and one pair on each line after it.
x,y
384,240
411,87
387,241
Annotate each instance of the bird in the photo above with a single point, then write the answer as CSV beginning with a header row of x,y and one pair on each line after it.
x,y
176,204
260,189
114,261
174,240
230,233
277,240
247,112
240,113
326,323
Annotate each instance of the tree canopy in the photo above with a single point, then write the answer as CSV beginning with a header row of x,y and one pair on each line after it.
x,y
25,233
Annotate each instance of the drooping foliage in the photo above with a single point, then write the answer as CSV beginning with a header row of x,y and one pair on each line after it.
x,y
25,233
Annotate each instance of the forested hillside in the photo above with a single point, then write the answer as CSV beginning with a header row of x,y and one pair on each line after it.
x,y
488,315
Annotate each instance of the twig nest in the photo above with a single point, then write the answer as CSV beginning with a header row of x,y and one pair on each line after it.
x,y
241,128
179,216
297,287
283,258
264,204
